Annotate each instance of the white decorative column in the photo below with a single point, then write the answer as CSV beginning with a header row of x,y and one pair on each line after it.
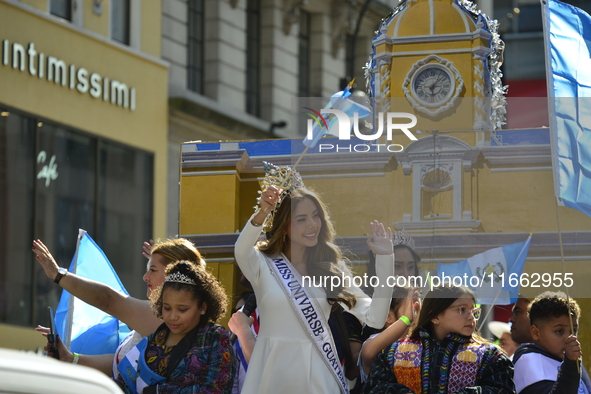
x,y
279,63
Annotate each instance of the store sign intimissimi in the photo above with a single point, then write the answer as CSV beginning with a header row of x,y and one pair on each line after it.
x,y
56,70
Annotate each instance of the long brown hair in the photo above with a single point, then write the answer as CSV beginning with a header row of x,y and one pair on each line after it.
x,y
437,301
322,260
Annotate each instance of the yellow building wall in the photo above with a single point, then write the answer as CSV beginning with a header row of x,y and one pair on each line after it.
x,y
150,37
227,273
41,5
509,198
208,204
354,202
143,128
151,26
460,116
97,23
522,201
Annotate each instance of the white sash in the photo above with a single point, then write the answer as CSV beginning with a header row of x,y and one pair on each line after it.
x,y
310,316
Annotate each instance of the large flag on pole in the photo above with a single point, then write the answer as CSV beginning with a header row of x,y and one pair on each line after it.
x,y
567,36
494,275
84,328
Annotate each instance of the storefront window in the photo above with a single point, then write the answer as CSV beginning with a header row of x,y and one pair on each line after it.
x,y
17,174
125,206
54,181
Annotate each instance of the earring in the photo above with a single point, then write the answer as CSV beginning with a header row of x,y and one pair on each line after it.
x,y
203,312
435,321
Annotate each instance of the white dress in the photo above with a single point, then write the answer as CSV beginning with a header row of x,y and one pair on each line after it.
x,y
284,359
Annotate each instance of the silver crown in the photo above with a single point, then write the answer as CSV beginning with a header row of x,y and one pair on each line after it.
x,y
403,238
180,278
284,178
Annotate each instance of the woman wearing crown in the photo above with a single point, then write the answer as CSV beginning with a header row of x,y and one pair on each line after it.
x,y
188,353
295,351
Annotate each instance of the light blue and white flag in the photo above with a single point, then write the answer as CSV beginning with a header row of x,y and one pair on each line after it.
x,y
567,36
82,327
494,275
328,123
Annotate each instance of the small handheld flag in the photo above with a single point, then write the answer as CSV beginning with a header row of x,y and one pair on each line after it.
x,y
489,274
324,124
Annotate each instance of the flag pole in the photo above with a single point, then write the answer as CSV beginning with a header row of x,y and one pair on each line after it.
x,y
491,308
300,158
347,88
501,289
570,317
551,99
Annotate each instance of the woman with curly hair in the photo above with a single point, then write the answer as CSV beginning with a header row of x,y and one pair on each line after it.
x,y
188,353
134,312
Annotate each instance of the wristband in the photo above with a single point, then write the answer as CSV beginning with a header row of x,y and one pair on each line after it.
x,y
76,358
405,320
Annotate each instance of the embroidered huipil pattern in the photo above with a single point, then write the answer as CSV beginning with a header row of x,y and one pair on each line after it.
x,y
208,367
454,365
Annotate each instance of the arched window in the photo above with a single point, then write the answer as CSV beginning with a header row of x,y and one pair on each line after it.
x,y
436,194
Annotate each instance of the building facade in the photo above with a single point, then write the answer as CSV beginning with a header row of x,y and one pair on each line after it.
x,y
236,66
464,186
96,98
83,113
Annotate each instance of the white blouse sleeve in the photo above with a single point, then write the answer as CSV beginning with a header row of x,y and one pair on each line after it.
x,y
362,374
248,258
374,311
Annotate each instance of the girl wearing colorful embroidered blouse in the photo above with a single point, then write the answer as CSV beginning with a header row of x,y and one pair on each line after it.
x,y
188,353
295,351
444,353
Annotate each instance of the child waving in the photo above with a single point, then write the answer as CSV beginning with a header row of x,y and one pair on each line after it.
x,y
444,353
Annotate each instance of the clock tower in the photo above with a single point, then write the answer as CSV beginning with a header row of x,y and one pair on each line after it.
x,y
438,60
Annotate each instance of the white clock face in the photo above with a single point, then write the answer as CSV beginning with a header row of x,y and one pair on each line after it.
x,y
432,85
